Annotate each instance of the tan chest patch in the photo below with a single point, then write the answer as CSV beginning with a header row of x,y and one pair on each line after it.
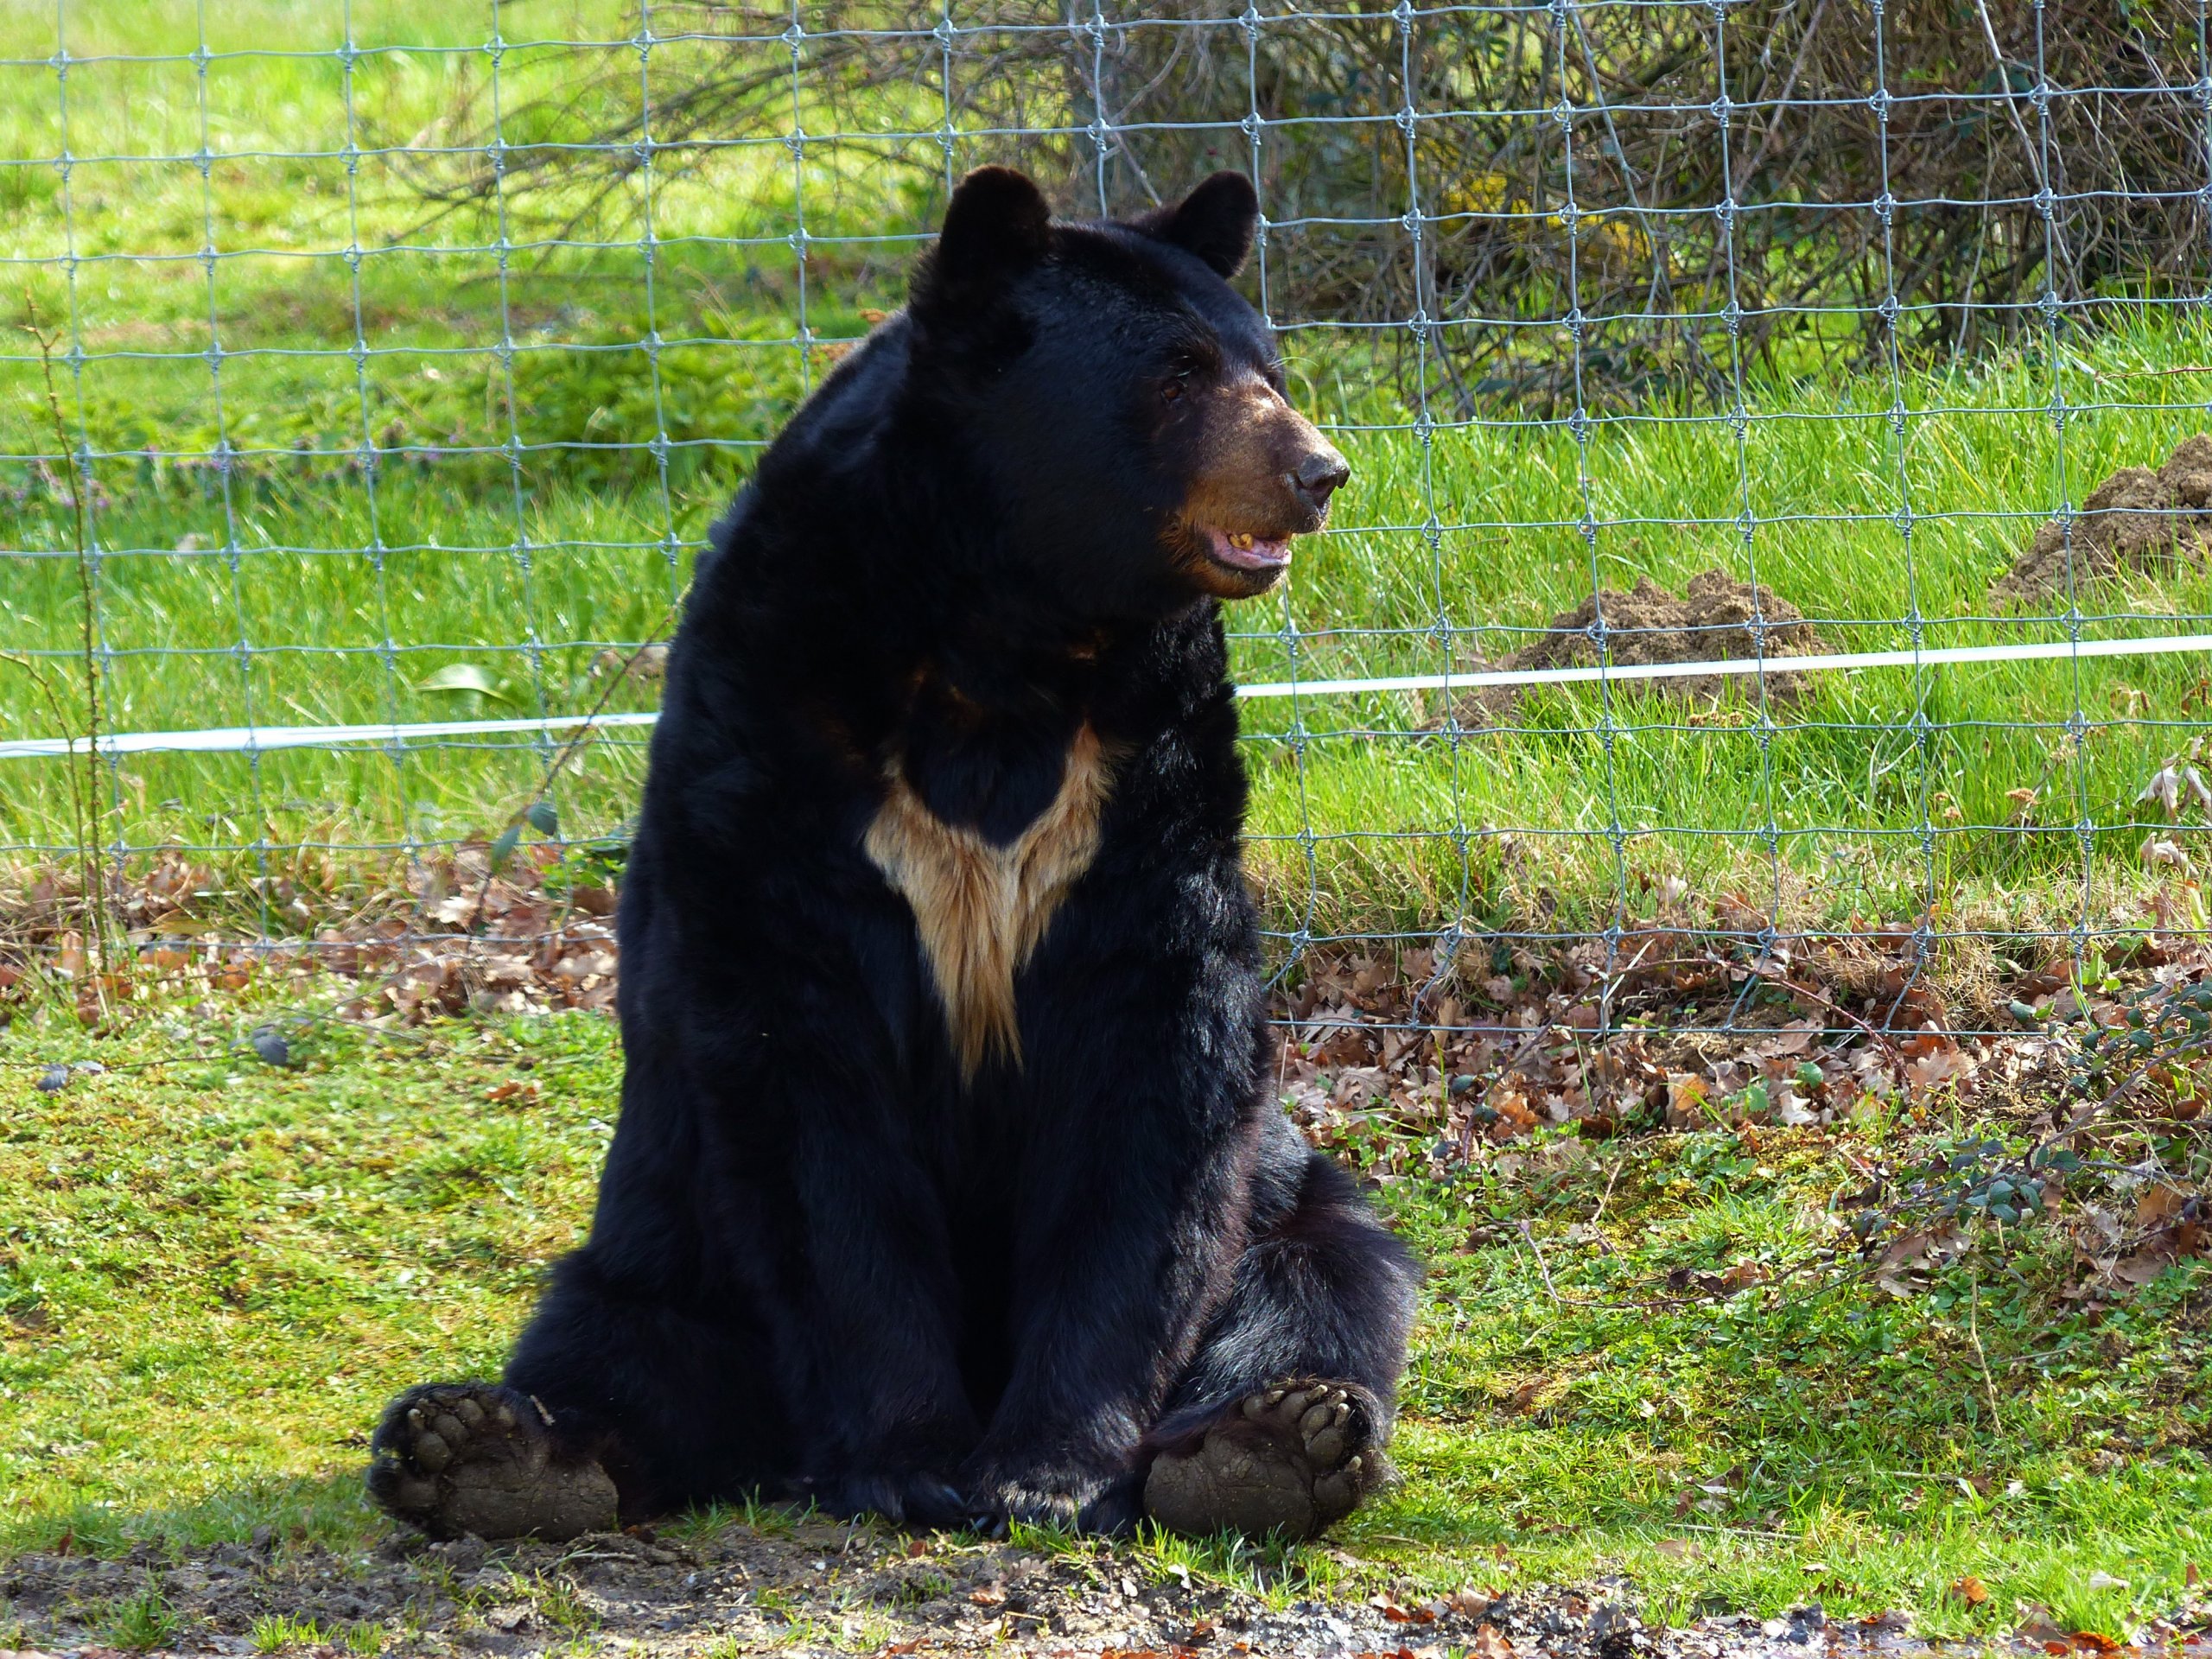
x,y
982,909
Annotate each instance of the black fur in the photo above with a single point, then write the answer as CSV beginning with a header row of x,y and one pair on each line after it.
x,y
822,1264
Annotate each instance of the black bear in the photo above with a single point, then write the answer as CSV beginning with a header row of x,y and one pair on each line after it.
x,y
947,1184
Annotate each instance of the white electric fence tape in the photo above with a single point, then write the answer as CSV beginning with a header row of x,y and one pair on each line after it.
x,y
247,740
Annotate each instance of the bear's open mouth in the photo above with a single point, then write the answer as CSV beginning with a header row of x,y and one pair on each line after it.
x,y
1244,550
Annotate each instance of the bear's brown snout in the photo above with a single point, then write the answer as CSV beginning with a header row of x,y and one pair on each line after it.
x,y
1278,464
1263,474
1263,466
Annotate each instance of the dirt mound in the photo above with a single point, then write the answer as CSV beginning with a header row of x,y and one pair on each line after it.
x,y
1716,617
2136,519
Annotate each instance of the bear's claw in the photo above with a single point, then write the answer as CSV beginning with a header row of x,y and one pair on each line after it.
x,y
918,1499
456,1458
1293,1458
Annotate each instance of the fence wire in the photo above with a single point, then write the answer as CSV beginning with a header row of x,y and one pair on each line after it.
x,y
377,372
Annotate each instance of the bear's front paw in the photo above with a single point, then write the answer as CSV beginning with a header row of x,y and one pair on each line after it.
x,y
1063,1498
919,1498
456,1458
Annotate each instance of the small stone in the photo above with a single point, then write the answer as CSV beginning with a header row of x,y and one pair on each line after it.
x,y
463,1554
1613,1618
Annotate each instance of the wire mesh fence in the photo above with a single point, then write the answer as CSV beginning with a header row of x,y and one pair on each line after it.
x,y
1772,582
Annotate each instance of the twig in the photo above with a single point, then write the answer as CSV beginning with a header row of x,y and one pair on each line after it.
x,y
1613,982
61,723
1529,1237
583,735
2004,71
1973,1334
1882,1038
1654,1303
1781,105
1605,1199
92,874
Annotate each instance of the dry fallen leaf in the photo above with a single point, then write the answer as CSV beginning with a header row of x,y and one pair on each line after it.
x,y
1490,1644
2162,850
2169,782
2039,1628
1523,1398
2142,1268
1970,1591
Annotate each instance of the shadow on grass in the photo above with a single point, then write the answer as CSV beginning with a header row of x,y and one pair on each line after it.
x,y
330,1510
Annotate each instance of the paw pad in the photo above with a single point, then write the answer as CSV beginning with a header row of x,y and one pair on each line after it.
x,y
1292,1457
454,1458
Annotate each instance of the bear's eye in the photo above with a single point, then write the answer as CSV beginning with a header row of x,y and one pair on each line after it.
x,y
1181,368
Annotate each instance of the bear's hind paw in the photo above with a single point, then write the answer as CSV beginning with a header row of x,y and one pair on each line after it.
x,y
1293,1458
456,1458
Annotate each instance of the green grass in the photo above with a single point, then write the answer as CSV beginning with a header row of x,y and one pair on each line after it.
x,y
143,1621
275,1632
215,1273
316,592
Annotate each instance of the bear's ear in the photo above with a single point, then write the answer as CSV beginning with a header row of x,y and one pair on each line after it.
x,y
1216,221
996,226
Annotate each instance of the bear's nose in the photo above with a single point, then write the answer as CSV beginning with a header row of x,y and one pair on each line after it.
x,y
1320,476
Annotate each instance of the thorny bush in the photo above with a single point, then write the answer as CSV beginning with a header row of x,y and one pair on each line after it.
x,y
1690,184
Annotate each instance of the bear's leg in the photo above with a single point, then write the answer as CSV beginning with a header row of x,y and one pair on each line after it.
x,y
697,1411
1279,1423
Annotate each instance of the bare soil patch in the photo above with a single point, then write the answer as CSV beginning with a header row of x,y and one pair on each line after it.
x,y
822,1587
1715,618
2137,520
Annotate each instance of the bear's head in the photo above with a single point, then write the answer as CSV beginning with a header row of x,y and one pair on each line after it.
x,y
1125,404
